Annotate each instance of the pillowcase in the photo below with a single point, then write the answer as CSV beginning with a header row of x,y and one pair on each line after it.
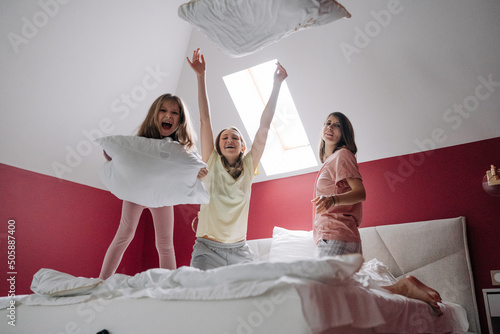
x,y
242,27
49,282
152,172
290,245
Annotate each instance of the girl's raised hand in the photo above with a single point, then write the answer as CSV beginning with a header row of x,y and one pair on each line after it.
x,y
198,62
280,74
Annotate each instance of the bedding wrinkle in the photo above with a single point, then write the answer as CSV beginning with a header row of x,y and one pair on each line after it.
x,y
358,307
236,281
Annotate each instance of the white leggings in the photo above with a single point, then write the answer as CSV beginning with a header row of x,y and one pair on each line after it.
x,y
163,220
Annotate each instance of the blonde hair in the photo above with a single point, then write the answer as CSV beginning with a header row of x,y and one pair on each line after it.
x,y
184,134
236,170
347,139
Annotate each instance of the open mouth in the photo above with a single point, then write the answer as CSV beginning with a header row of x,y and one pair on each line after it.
x,y
230,146
166,126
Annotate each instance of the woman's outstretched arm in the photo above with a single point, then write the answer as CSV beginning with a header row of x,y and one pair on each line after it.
x,y
206,134
259,142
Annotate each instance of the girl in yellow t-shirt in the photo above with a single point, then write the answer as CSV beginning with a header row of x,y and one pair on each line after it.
x,y
222,225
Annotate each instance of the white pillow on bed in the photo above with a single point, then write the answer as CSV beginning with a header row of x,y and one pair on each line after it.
x,y
152,172
49,282
290,245
242,27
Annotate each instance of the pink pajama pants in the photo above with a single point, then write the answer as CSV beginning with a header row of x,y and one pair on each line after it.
x,y
163,220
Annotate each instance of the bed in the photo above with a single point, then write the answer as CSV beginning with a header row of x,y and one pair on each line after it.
x,y
283,291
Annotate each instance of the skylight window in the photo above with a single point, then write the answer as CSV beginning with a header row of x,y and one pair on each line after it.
x,y
287,147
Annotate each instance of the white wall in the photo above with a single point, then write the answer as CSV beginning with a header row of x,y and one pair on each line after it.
x,y
74,67
422,60
72,74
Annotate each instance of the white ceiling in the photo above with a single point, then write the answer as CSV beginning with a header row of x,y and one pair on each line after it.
x,y
74,69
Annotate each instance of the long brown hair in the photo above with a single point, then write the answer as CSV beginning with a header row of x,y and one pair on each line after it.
x,y
236,170
347,139
184,134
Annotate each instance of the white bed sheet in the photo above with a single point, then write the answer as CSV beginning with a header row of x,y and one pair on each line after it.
x,y
330,296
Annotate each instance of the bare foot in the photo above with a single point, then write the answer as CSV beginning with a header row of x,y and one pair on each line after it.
x,y
409,286
434,294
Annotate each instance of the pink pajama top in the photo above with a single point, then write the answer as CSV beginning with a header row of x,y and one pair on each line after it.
x,y
338,222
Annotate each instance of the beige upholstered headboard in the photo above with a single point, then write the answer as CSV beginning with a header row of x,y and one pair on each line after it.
x,y
435,252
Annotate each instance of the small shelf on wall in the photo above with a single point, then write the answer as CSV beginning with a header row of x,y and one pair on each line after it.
x,y
492,305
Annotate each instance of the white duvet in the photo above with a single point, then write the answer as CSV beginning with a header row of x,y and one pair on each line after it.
x,y
242,27
331,293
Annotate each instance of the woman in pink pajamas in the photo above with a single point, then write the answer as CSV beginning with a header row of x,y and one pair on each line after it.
x,y
167,118
339,191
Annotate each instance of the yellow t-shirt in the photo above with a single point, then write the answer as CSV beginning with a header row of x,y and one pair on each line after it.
x,y
225,217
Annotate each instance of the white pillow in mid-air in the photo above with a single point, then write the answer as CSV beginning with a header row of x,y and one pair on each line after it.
x,y
242,27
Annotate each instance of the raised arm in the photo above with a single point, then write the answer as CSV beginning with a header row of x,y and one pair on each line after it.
x,y
259,142
206,134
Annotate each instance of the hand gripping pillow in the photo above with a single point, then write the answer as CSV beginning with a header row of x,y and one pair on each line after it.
x,y
242,27
152,172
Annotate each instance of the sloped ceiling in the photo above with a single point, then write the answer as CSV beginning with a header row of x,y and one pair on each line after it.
x,y
411,76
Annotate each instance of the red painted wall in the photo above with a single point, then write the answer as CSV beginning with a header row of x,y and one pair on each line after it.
x,y
68,226
59,225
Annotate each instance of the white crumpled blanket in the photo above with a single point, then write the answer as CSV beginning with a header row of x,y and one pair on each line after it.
x,y
332,293
242,27
187,283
